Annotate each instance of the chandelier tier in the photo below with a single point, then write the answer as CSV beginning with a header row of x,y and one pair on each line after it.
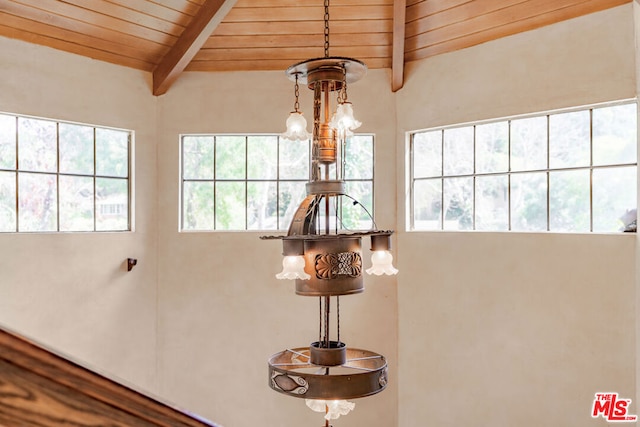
x,y
325,261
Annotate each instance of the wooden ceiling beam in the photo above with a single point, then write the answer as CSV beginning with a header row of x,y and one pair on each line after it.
x,y
211,13
397,59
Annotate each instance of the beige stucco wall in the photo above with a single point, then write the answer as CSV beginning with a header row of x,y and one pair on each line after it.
x,y
71,291
506,329
479,328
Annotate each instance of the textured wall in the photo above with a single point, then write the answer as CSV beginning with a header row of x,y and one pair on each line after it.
x,y
517,329
72,291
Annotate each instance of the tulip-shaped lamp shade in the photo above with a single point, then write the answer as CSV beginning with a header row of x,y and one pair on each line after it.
x,y
382,263
381,259
332,408
343,119
293,261
296,127
293,268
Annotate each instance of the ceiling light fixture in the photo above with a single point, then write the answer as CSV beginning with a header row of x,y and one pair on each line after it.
x,y
325,261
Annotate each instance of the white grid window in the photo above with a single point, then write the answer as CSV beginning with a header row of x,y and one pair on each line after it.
x,y
569,171
59,176
256,182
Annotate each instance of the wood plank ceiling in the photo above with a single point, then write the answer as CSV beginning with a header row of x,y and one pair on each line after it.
x,y
167,37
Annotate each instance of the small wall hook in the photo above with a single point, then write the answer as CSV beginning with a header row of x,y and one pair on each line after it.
x,y
131,262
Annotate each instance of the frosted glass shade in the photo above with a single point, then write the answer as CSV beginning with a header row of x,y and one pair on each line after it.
x,y
296,128
382,263
293,268
333,408
343,119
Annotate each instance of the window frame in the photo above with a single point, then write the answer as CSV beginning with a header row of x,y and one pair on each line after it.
x,y
548,170
246,180
17,170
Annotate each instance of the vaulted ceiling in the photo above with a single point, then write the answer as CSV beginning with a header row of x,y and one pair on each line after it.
x,y
167,37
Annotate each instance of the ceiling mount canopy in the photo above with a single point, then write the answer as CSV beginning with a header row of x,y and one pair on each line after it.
x,y
333,68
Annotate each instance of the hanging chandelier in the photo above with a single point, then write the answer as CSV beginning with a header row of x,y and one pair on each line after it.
x,y
325,261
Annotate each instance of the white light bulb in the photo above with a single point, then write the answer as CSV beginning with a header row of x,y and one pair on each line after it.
x,y
382,263
293,268
296,128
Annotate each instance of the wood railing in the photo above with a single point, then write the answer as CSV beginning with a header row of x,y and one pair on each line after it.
x,y
41,389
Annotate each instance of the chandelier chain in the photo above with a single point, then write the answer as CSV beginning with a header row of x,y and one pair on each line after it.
x,y
342,93
344,84
326,28
296,105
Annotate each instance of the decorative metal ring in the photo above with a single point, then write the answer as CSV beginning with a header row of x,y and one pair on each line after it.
x,y
364,373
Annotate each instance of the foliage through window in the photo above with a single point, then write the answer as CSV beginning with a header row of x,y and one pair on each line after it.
x,y
570,171
58,176
256,182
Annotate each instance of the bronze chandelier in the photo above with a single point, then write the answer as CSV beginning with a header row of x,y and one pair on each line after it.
x,y
324,261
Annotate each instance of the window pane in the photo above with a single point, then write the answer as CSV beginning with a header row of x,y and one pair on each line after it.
x,y
492,203
492,147
37,145
427,154
262,152
357,216
614,197
230,206
112,153
7,201
112,204
529,201
76,149
37,202
569,139
291,194
7,142
458,151
197,206
272,188
294,159
529,144
615,135
262,206
76,203
197,157
458,203
427,204
230,157
531,174
359,157
569,201
56,164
